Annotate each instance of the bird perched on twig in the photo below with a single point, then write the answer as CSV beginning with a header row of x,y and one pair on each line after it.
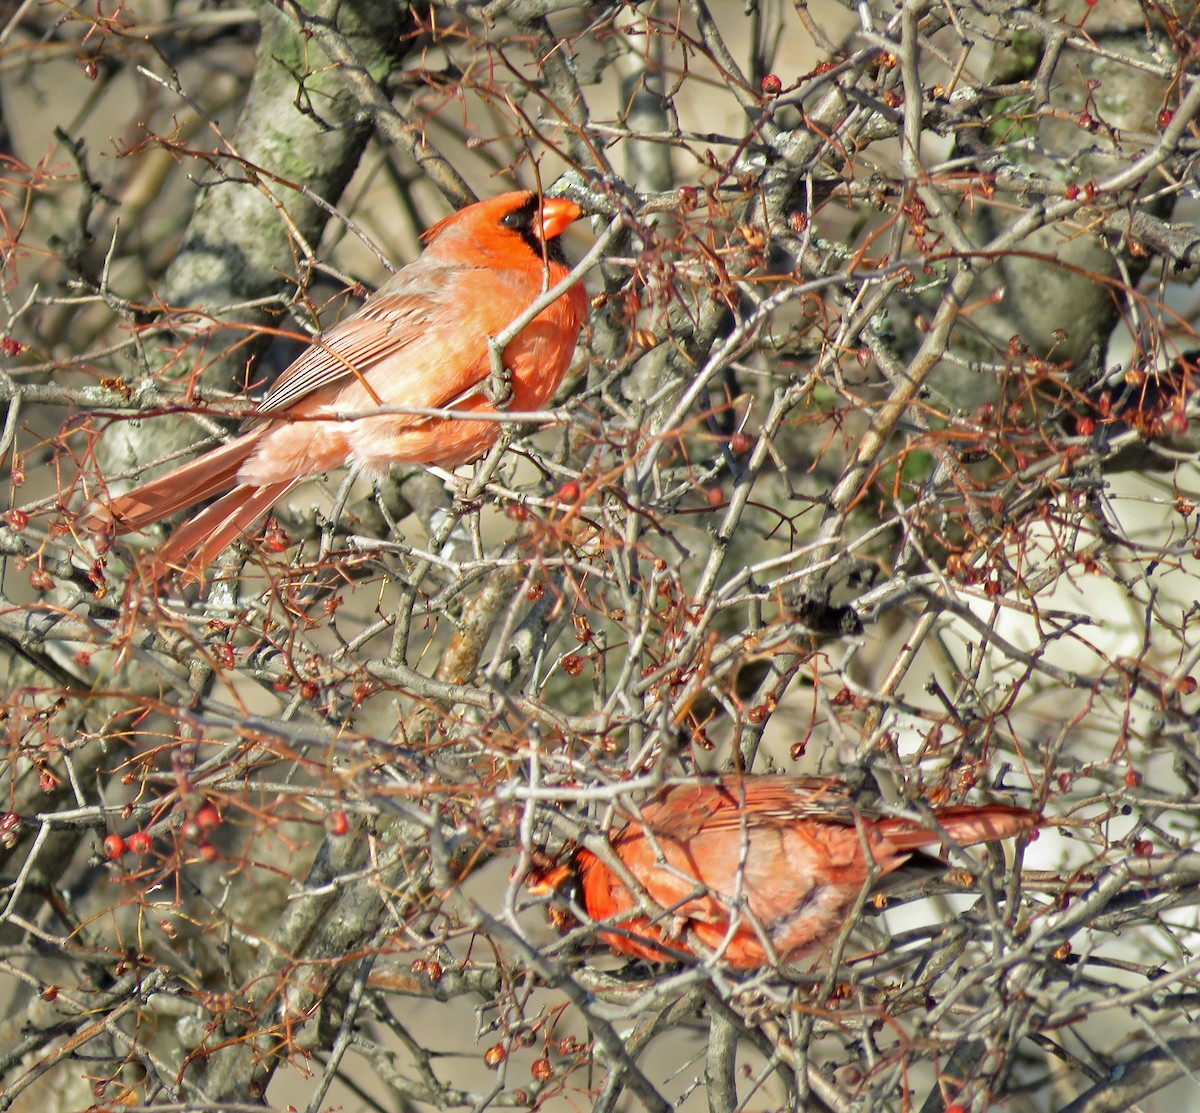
x,y
421,340
758,869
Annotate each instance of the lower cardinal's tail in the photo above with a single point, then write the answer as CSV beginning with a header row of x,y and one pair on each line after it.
x,y
962,825
198,542
193,482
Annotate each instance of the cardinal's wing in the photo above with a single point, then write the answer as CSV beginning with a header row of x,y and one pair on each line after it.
x,y
384,326
414,324
681,811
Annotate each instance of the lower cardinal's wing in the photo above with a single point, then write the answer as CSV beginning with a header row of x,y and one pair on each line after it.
x,y
679,812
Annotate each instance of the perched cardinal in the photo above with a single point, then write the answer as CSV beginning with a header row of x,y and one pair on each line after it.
x,y
757,869
420,340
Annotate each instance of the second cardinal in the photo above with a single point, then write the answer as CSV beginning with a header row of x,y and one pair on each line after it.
x,y
757,870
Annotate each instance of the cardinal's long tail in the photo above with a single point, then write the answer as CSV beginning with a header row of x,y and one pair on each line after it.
x,y
193,482
963,825
198,542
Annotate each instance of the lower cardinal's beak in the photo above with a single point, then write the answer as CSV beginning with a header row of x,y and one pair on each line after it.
x,y
546,883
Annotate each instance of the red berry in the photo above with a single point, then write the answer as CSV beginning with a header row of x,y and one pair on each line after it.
x,y
1132,778
771,86
309,690
568,492
225,655
1071,192
11,347
1143,848
1085,426
140,843
495,1055
572,664
41,580
208,818
208,852
688,198
518,512
276,539
740,443
1165,117
114,847
1175,424
337,823
18,519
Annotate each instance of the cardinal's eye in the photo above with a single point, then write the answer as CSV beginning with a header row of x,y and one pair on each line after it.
x,y
517,221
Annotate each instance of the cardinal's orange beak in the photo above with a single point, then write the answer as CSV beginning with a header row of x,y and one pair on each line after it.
x,y
546,883
558,214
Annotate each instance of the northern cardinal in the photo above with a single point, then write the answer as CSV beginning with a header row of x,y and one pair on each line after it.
x,y
420,340
788,853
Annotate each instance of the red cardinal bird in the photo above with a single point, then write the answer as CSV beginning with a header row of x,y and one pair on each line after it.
x,y
420,340
787,852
